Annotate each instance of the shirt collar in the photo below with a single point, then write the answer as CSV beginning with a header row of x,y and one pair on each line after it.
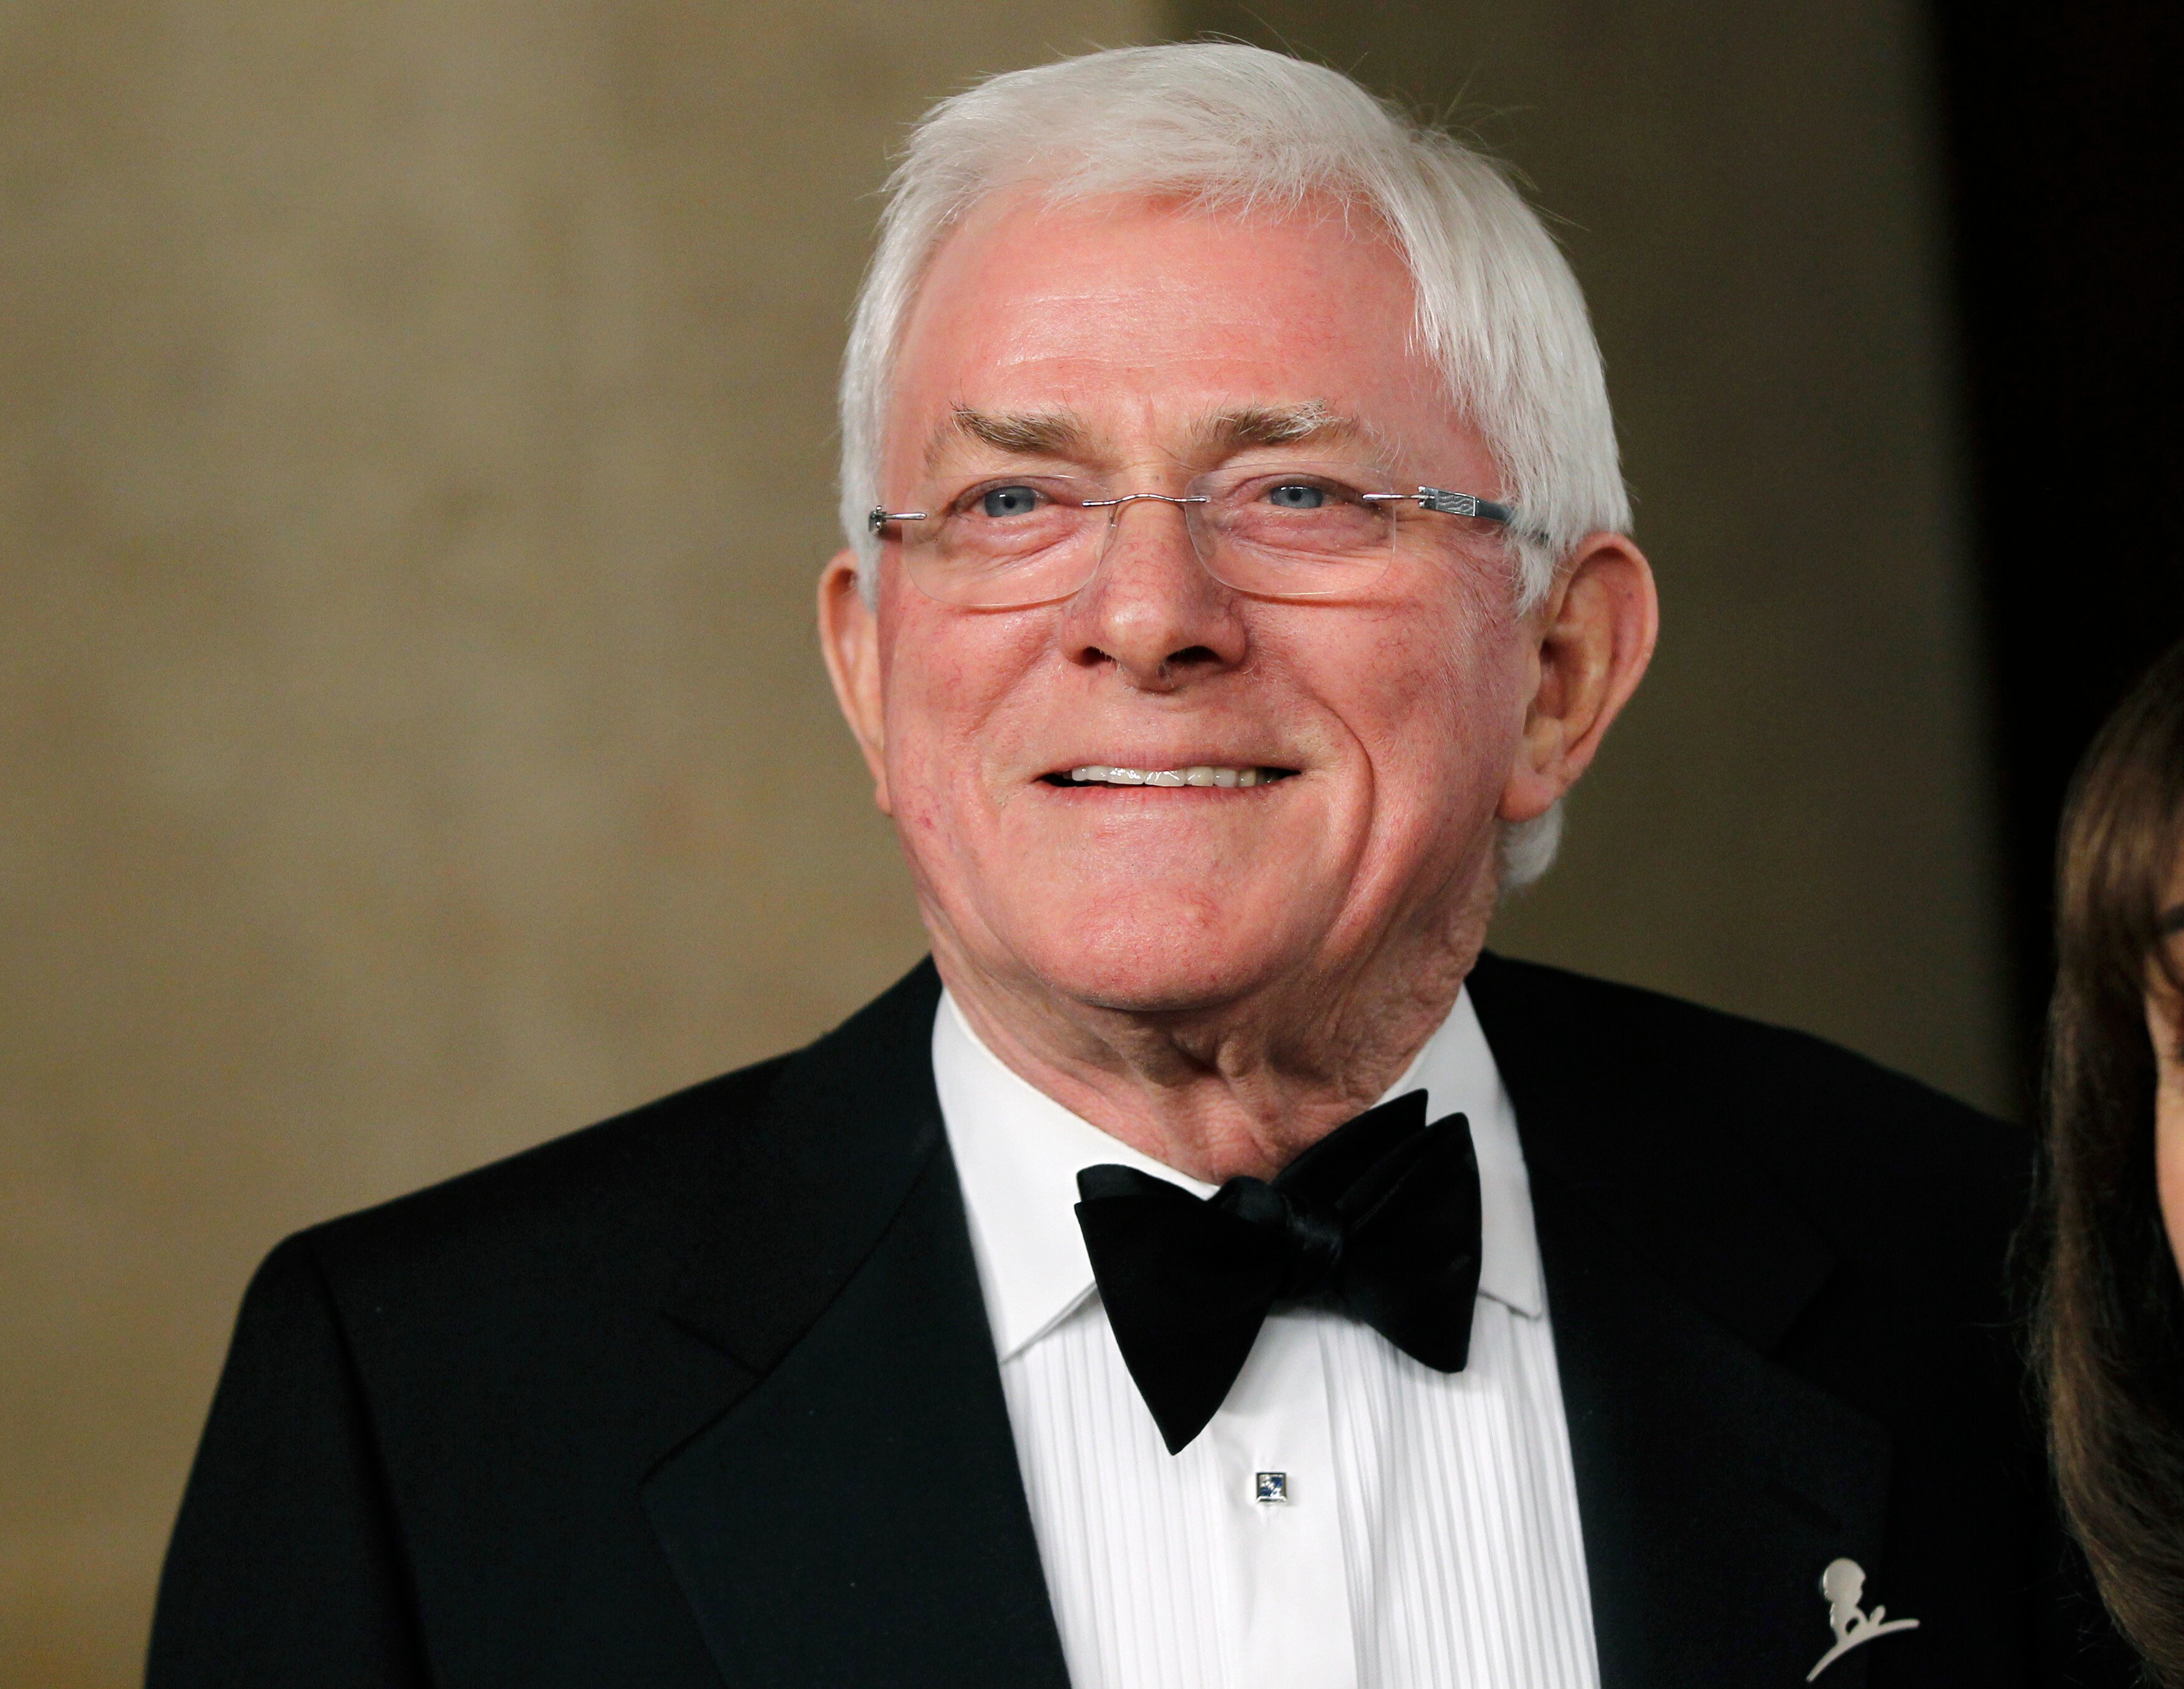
x,y
1017,1153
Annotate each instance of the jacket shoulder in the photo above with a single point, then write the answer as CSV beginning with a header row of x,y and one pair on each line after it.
x,y
1707,1056
578,1233
1884,1167
610,1203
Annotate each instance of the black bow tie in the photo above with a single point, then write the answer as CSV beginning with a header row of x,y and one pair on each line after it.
x,y
1379,1218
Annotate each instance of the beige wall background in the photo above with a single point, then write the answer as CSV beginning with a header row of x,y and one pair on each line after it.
x,y
415,451
418,455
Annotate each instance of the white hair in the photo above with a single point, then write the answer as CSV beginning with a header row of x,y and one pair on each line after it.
x,y
1235,128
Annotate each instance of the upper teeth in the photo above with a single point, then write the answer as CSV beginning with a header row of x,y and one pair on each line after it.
x,y
1201,775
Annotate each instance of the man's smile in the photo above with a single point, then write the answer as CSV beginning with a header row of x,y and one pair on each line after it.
x,y
1199,774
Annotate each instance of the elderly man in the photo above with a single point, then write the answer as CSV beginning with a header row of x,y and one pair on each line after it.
x,y
1211,1269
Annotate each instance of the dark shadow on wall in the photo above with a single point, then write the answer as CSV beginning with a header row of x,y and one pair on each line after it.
x,y
2066,171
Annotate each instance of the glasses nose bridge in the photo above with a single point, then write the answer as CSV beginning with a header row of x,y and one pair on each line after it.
x,y
1184,502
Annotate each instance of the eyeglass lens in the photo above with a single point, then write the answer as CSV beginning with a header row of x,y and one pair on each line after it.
x,y
1298,531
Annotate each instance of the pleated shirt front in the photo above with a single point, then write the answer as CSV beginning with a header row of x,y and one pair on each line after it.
x,y
1351,1518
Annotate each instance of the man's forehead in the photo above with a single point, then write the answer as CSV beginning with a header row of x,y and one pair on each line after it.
x,y
1061,431
1036,326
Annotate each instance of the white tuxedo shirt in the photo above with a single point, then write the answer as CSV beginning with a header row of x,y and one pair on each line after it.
x,y
1426,1531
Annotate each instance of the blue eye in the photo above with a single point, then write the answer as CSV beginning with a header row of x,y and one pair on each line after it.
x,y
1008,501
1297,495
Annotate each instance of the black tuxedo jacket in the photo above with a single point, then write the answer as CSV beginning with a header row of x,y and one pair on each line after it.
x,y
706,1395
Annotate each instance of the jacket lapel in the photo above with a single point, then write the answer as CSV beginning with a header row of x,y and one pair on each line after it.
x,y
856,1515
1713,1484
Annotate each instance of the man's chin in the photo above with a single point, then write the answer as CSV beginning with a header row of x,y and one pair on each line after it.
x,y
1158,972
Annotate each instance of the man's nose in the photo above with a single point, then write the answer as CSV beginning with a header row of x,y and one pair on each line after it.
x,y
1152,608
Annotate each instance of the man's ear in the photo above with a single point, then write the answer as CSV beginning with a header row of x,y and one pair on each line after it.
x,y
849,636
1593,638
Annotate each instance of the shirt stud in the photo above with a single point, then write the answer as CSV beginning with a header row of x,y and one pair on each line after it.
x,y
1272,1486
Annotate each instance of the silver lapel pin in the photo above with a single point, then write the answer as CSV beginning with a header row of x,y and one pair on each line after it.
x,y
1843,1584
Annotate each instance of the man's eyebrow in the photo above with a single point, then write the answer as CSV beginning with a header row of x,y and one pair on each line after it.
x,y
1278,425
2172,921
1063,434
1027,433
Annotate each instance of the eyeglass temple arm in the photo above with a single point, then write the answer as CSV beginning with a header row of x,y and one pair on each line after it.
x,y
1449,504
876,518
